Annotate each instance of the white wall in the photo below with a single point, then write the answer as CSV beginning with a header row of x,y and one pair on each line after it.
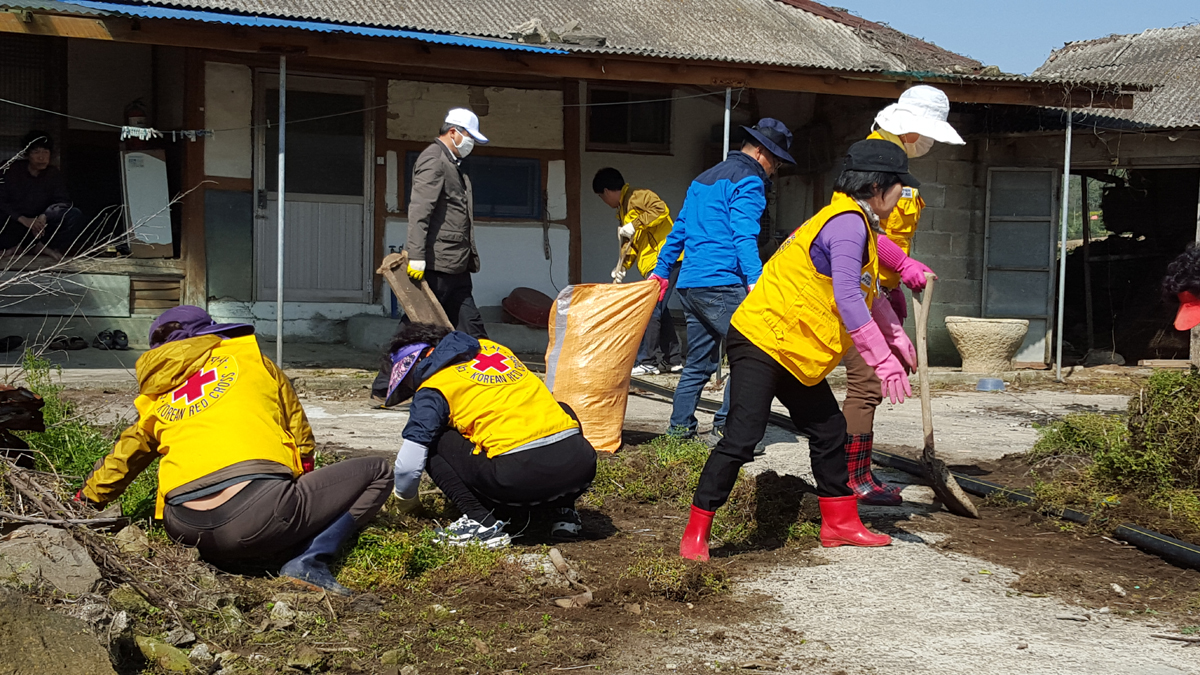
x,y
104,77
667,175
228,102
511,256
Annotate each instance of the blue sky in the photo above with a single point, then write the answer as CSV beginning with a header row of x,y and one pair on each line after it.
x,y
1018,35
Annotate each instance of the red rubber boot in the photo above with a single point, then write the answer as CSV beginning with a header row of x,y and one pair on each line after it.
x,y
840,525
694,545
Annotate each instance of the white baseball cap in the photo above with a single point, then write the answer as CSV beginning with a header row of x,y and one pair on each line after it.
x,y
923,110
465,119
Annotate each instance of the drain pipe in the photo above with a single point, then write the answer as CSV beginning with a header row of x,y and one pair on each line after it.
x,y
279,212
1062,251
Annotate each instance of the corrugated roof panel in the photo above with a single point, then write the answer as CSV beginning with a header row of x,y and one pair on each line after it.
x,y
53,6
766,32
1167,58
322,26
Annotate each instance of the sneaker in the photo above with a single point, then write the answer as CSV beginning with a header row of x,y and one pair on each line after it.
x,y
677,368
644,370
466,531
567,524
714,436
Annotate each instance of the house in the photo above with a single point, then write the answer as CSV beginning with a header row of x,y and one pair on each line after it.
x,y
562,88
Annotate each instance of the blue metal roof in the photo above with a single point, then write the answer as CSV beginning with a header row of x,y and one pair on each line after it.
x,y
151,12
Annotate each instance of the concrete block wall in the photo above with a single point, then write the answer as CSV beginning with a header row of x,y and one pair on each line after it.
x,y
950,240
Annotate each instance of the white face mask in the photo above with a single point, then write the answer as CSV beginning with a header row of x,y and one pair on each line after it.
x,y
466,146
922,146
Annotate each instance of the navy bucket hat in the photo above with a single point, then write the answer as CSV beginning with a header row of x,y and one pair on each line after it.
x,y
774,136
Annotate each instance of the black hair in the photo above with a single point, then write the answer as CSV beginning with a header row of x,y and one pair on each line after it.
x,y
607,178
413,333
446,127
163,332
1183,274
862,184
37,139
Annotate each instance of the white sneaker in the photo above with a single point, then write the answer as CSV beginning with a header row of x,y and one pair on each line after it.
x,y
466,531
677,368
644,370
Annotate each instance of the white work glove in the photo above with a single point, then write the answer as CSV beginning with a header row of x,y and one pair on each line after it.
x,y
625,231
416,269
618,274
406,474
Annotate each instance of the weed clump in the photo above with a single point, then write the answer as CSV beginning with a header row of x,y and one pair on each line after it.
x,y
70,446
384,557
673,578
1152,453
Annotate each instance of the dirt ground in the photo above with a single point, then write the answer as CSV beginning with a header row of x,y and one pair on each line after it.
x,y
950,596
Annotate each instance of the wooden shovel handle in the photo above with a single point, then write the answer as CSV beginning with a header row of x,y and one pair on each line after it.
x,y
921,309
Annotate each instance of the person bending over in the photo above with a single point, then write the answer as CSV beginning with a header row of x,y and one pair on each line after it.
x,y
235,473
489,433
818,295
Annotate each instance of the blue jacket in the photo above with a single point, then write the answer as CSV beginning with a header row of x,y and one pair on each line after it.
x,y
717,228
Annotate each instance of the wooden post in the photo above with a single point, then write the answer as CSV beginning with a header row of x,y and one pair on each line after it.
x,y
191,239
572,137
1087,266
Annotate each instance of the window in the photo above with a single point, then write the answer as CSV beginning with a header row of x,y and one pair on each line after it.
x,y
504,187
621,120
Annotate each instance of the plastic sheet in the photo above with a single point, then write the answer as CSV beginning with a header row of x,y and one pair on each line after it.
x,y
595,330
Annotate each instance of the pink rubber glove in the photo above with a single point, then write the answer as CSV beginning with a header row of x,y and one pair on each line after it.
x,y
876,352
662,285
893,333
912,272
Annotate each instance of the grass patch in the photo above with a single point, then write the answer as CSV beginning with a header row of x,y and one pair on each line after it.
x,y
674,578
384,557
1151,453
71,444
666,469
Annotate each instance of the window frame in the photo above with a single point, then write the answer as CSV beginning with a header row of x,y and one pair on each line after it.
x,y
630,147
404,182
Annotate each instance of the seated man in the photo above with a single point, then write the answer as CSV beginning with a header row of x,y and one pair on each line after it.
x,y
489,433
235,476
36,216
645,222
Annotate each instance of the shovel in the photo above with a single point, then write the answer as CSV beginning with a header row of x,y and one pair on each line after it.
x,y
625,244
944,486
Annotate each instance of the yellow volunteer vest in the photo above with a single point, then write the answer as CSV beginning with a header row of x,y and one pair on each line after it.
x,y
227,412
901,225
791,313
647,240
496,403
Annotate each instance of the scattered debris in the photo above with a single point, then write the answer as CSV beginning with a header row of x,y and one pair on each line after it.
x,y
133,540
306,658
1118,590
1072,617
163,655
180,637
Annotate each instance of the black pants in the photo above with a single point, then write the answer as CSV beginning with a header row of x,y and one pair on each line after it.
x,y
453,291
755,380
269,517
551,476
64,228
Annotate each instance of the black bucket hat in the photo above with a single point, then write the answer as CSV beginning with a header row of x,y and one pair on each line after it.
x,y
880,155
774,136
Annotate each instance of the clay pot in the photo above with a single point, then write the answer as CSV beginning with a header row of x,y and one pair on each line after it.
x,y
986,345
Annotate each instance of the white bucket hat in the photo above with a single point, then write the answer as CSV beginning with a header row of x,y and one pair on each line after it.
x,y
922,110
465,119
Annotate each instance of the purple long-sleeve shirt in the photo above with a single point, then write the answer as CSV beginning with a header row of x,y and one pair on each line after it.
x,y
840,251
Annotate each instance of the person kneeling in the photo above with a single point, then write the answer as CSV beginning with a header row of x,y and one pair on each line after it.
x,y
489,433
235,477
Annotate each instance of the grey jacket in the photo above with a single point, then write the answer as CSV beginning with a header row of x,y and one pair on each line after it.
x,y
440,224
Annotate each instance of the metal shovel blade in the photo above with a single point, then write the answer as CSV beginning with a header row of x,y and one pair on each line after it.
x,y
944,485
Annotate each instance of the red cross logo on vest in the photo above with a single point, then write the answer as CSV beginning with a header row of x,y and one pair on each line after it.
x,y
193,389
496,362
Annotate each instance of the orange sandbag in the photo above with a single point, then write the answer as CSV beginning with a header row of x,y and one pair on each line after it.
x,y
595,331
